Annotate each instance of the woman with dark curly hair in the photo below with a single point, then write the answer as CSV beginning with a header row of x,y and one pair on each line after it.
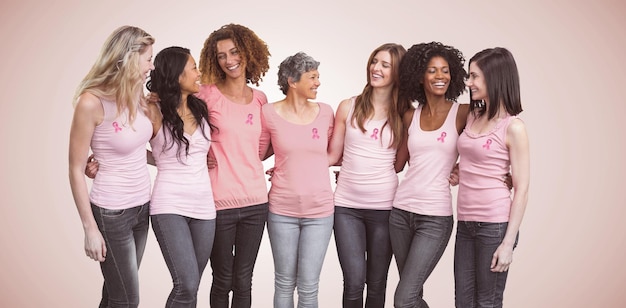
x,y
182,210
232,57
367,132
421,220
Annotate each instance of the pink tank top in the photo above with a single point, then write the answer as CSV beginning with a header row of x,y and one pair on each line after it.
x,y
484,162
367,179
238,179
123,180
425,189
182,187
301,181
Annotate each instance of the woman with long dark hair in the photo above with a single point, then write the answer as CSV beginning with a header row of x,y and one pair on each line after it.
x,y
182,210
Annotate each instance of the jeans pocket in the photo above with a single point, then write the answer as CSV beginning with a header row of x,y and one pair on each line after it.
x,y
111,213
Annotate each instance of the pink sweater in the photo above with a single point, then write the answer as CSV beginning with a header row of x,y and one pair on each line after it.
x,y
425,189
484,162
301,181
238,179
367,179
182,187
123,180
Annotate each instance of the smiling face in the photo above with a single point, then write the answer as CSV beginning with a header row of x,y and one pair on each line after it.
x,y
189,79
229,59
308,84
476,83
437,77
381,70
145,62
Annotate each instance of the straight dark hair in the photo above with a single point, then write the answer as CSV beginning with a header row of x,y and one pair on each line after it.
x,y
502,80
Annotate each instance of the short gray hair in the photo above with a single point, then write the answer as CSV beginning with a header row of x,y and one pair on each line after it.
x,y
293,67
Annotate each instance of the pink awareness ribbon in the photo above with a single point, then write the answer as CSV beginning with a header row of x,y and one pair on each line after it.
x,y
249,120
487,144
315,135
442,137
117,127
375,134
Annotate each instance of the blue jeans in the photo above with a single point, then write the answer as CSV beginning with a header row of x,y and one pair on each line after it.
x,y
475,284
125,233
299,246
186,246
364,250
238,235
418,242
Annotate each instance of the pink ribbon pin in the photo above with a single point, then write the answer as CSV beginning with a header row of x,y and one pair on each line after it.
x,y
487,144
375,134
249,120
315,135
442,137
117,127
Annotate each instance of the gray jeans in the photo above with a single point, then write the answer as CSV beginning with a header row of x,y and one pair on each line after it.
x,y
299,246
418,242
125,233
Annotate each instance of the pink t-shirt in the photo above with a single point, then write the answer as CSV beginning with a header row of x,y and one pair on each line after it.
x,y
123,180
238,179
301,181
484,162
425,189
182,187
367,179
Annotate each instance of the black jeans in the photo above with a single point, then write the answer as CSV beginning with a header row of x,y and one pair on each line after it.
x,y
476,286
238,234
364,249
125,233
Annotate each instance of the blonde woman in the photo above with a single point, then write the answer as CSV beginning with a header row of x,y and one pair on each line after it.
x,y
110,118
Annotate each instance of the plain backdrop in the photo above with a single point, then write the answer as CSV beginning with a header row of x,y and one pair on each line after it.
x,y
570,56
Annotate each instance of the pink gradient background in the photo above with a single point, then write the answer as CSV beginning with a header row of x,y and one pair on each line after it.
x,y
570,56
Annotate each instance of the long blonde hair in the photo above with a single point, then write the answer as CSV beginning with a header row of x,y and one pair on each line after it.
x,y
116,74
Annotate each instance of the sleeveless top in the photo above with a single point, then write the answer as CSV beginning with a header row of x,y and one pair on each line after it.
x,y
182,187
123,180
367,179
425,189
484,162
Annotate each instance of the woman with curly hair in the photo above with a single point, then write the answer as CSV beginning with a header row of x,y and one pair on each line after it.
x,y
110,117
367,132
232,57
494,142
182,210
421,219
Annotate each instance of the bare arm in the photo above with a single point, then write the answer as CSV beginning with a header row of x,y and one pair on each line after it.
x,y
335,147
402,154
87,115
517,142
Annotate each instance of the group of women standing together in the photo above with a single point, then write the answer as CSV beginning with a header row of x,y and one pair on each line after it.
x,y
210,133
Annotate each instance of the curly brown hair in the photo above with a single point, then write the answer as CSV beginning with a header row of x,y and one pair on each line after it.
x,y
253,50
414,65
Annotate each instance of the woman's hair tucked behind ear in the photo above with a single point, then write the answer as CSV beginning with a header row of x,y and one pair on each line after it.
x,y
502,81
164,80
116,74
